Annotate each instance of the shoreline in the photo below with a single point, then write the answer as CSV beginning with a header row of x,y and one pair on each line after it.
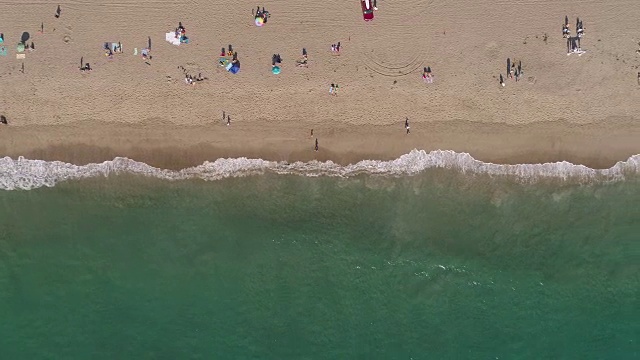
x,y
176,147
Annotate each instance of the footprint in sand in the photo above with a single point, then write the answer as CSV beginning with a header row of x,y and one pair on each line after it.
x,y
67,35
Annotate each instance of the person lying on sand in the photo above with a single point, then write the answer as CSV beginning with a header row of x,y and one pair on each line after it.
x,y
303,62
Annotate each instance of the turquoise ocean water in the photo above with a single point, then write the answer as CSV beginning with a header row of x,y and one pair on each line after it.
x,y
439,265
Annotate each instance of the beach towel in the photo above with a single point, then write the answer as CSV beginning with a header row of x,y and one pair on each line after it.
x,y
171,38
21,56
135,51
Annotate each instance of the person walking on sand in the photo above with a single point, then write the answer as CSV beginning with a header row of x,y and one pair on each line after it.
x,y
406,124
501,80
316,144
228,120
58,12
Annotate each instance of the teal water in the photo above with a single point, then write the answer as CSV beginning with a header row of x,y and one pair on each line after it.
x,y
435,266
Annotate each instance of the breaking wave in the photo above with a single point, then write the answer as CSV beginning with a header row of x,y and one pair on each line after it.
x,y
30,174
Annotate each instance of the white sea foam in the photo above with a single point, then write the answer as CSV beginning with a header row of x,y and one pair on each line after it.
x,y
29,174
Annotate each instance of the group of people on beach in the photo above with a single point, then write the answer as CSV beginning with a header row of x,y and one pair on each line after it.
x,y
110,49
513,71
228,117
335,48
261,14
333,89
190,79
276,59
566,31
225,54
573,42
181,33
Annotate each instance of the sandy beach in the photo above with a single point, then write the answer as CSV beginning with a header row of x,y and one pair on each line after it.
x,y
582,109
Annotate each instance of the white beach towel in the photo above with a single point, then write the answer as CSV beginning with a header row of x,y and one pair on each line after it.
x,y
171,38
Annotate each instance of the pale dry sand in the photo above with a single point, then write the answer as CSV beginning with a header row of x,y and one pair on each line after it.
x,y
581,109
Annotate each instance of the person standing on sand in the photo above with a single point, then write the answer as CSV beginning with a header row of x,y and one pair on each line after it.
x,y
406,124
316,144
58,12
501,80
228,120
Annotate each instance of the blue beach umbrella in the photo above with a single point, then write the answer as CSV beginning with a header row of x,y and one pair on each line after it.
x,y
275,70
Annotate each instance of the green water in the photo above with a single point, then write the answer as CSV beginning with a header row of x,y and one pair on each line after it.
x,y
436,266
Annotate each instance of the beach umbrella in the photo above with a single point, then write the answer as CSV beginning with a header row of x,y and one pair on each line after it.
x,y
234,69
259,21
275,70
20,47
